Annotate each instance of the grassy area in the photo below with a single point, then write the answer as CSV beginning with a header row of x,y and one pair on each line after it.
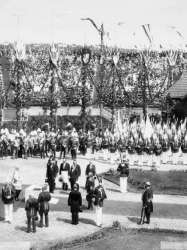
x,y
171,182
119,239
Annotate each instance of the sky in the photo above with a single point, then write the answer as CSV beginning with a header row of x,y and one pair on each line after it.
x,y
47,21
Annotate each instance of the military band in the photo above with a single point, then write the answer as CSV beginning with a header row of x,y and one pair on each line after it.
x,y
160,138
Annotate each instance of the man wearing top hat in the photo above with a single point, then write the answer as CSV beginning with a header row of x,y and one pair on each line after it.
x,y
51,173
75,172
64,174
75,203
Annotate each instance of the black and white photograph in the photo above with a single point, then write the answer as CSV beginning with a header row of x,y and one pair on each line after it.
x,y
93,125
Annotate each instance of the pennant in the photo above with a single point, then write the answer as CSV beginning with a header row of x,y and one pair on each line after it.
x,y
19,50
54,54
172,57
146,29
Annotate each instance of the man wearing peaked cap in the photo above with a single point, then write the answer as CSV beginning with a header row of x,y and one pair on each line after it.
x,y
100,196
147,204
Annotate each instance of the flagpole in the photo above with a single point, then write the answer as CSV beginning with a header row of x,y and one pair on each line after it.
x,y
101,34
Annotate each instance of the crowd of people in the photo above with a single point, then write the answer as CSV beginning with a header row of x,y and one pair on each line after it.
x,y
40,205
135,137
69,178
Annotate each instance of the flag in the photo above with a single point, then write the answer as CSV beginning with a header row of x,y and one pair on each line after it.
x,y
54,54
172,57
147,30
20,50
148,129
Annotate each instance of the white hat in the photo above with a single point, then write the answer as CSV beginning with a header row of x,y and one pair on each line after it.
x,y
148,184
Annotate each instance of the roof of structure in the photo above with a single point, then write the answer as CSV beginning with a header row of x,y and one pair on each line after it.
x,y
179,88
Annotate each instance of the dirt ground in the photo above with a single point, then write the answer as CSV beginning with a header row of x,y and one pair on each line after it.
x,y
33,172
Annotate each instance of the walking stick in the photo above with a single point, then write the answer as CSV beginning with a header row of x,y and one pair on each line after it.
x,y
142,216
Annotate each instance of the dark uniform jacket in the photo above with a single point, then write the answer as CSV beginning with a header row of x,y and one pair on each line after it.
x,y
64,167
8,195
90,168
184,146
123,168
43,201
147,199
100,195
31,207
75,172
158,149
90,182
75,201
175,146
52,170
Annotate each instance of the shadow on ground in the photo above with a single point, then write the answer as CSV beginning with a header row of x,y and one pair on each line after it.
x,y
113,190
82,220
21,228
134,219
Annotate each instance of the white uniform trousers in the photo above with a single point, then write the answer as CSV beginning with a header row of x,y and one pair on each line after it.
x,y
123,184
99,215
8,210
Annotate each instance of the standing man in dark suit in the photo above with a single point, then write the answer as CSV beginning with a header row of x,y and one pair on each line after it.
x,y
43,204
31,208
90,185
52,170
147,204
64,173
90,168
75,202
75,173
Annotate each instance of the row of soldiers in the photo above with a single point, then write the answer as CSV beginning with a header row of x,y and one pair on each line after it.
x,y
73,142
